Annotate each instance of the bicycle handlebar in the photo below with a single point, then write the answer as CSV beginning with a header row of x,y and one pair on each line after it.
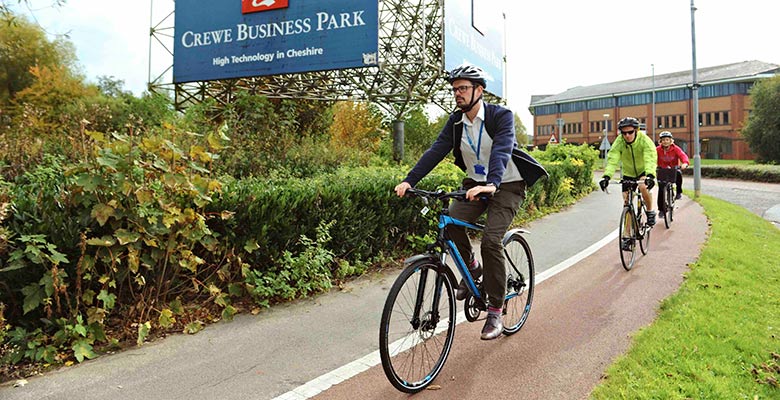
x,y
438,194
634,182
459,194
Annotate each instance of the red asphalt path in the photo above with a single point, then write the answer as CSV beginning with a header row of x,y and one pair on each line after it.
x,y
580,321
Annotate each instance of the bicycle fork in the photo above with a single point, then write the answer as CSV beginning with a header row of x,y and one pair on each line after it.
x,y
427,322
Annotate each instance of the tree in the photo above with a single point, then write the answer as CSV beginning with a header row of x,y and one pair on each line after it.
x,y
6,13
24,45
520,132
419,133
762,131
355,125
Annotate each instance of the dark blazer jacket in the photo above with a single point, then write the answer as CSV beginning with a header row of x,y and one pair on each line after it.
x,y
499,122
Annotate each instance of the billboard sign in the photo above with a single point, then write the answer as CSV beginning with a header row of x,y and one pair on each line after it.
x,y
474,34
224,39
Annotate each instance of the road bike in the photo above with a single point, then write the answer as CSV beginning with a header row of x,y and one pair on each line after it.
x,y
667,178
419,315
633,227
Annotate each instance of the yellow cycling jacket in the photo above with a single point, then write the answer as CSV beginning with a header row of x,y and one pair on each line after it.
x,y
638,158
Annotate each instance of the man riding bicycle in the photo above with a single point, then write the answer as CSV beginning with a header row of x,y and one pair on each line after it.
x,y
481,136
669,156
636,153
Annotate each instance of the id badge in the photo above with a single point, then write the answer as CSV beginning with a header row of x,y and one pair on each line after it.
x,y
479,169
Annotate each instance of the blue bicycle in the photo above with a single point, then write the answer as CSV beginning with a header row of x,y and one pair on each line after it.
x,y
418,319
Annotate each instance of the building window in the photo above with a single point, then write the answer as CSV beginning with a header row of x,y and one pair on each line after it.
x,y
726,118
635,99
668,96
546,110
682,121
572,107
598,104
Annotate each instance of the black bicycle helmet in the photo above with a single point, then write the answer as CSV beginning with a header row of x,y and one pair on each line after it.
x,y
666,134
467,71
628,121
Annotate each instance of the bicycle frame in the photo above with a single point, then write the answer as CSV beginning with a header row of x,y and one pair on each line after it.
x,y
444,221
630,194
446,247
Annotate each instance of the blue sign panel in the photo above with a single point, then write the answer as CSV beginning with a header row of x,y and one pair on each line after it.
x,y
474,34
223,39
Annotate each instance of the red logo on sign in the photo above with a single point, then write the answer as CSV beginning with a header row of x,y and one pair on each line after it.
x,y
252,6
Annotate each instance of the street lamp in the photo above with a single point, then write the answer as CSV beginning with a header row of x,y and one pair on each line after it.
x,y
695,101
653,118
605,141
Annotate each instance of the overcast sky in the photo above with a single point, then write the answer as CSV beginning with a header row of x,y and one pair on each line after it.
x,y
552,45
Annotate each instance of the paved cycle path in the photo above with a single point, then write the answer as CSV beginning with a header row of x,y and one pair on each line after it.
x,y
273,353
581,320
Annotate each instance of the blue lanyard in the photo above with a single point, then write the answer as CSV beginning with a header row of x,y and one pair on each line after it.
x,y
479,141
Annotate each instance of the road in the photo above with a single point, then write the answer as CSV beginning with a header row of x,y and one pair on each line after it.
x,y
581,320
762,199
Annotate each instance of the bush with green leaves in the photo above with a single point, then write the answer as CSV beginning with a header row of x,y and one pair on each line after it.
x,y
121,233
571,175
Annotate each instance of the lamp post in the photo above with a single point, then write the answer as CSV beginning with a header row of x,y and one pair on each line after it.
x,y
695,117
652,121
605,142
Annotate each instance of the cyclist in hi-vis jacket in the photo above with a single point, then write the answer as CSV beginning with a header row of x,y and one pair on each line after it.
x,y
636,152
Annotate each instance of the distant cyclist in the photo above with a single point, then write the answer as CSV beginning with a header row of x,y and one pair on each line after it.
x,y
635,151
669,156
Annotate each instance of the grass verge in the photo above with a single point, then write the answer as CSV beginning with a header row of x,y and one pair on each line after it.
x,y
718,337
709,161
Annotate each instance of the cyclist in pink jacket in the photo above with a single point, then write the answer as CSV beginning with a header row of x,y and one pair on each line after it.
x,y
669,156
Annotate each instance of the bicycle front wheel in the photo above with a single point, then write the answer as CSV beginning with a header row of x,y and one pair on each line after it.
x,y
643,235
669,205
417,326
627,238
520,282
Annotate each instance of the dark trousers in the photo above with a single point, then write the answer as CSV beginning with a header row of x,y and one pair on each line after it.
x,y
501,210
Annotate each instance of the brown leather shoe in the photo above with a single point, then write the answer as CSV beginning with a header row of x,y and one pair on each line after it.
x,y
493,327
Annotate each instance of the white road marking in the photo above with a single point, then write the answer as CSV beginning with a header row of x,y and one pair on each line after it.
x,y
341,374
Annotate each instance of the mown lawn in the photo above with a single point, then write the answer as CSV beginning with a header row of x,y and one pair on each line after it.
x,y
725,162
718,337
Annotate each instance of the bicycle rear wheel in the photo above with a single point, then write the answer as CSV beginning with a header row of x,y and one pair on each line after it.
x,y
669,205
417,326
627,238
520,282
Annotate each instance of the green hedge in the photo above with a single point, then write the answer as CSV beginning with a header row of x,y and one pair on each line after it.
x,y
757,173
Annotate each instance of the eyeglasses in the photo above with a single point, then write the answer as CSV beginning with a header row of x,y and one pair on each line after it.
x,y
461,89
628,132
